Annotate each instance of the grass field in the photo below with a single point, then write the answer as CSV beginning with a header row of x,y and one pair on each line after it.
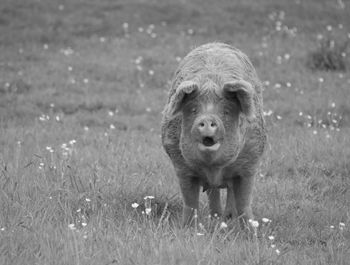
x,y
82,87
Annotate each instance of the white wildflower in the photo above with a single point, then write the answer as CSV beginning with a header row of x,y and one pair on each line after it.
x,y
135,205
148,211
266,220
223,225
254,223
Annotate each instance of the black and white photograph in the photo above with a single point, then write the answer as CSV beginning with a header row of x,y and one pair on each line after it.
x,y
174,132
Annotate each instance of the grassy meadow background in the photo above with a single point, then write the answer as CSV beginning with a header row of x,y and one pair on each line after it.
x,y
82,87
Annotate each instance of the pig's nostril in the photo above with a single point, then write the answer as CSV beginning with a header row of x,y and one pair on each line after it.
x,y
208,141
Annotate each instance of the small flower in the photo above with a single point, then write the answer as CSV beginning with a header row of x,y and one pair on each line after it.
x,y
341,226
300,113
148,109
254,223
86,81
200,234
41,165
223,225
110,113
71,142
86,128
112,127
314,132
125,26
333,105
72,226
88,200
331,227
279,117
84,224
266,220
273,245
329,28
150,197
321,79
148,211
267,113
151,72
278,251
2,228
135,205
277,85
271,238
70,68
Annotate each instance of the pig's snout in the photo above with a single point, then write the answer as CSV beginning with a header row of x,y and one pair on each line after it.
x,y
207,131
207,126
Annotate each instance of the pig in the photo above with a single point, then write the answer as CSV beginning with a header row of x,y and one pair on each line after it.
x,y
213,130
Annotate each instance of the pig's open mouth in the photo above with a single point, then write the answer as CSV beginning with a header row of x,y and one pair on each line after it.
x,y
208,141
208,144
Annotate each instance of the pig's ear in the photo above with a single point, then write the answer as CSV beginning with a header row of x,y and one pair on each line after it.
x,y
177,99
245,93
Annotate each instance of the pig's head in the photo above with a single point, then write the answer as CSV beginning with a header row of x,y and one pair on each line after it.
x,y
213,119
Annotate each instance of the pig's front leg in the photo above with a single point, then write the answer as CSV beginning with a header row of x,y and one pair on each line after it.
x,y
230,209
214,201
243,187
190,195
